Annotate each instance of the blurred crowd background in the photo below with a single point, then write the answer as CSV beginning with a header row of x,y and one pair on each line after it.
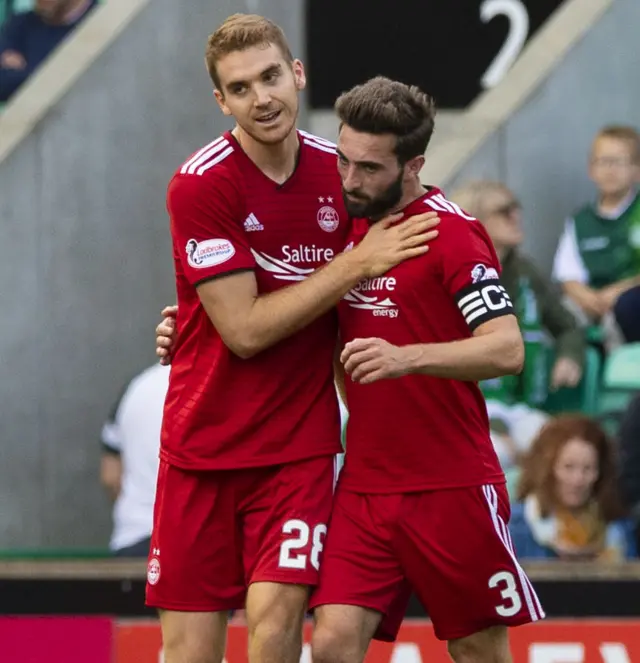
x,y
537,137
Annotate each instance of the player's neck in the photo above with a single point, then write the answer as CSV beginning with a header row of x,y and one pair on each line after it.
x,y
277,161
410,193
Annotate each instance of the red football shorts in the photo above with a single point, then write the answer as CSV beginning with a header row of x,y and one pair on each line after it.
x,y
452,547
216,532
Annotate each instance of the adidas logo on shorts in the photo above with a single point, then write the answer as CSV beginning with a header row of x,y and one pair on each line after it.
x,y
252,224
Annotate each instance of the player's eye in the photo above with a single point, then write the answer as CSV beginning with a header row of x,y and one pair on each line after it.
x,y
370,170
342,161
271,77
238,89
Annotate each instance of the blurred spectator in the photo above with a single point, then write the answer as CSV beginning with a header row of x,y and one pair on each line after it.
x,y
27,39
598,257
629,440
512,401
131,444
568,505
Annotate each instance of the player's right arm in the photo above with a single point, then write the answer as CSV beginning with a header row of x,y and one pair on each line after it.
x,y
218,262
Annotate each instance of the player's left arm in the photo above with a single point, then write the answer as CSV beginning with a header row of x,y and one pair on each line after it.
x,y
470,275
495,349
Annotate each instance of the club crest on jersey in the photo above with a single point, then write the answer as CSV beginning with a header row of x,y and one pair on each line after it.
x,y
153,571
209,252
328,217
483,273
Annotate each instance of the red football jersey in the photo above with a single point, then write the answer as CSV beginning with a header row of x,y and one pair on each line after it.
x,y
419,432
223,412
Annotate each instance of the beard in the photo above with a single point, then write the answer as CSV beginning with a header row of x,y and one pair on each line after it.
x,y
361,206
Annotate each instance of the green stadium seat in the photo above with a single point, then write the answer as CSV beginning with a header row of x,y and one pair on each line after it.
x,y
22,6
621,380
583,398
622,368
595,335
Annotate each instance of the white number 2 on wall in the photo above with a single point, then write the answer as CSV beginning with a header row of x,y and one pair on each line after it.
x,y
518,17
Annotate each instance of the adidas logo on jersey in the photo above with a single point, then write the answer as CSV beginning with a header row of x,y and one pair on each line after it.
x,y
252,224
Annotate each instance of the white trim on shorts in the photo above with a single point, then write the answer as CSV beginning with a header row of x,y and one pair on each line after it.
x,y
531,599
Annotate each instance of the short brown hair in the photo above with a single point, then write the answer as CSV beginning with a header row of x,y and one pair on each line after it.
x,y
624,133
537,476
383,106
239,32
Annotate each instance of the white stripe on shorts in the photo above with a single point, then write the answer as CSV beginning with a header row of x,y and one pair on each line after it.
x,y
531,599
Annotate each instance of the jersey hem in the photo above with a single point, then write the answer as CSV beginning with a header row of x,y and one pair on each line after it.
x,y
221,275
270,461
178,606
495,480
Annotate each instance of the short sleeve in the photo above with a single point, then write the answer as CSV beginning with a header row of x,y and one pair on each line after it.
x,y
206,227
567,263
471,272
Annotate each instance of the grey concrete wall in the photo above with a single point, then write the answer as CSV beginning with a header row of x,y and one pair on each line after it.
x,y
542,150
85,260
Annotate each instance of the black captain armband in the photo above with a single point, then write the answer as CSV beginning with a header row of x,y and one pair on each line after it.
x,y
482,301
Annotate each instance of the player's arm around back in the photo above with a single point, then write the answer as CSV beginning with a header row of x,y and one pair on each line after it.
x,y
247,321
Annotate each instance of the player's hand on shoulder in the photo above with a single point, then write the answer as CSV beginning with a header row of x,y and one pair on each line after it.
x,y
389,243
368,360
166,334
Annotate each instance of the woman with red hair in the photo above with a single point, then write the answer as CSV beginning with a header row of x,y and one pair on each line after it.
x,y
569,506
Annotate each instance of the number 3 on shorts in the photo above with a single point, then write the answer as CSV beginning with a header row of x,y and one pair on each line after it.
x,y
506,583
289,559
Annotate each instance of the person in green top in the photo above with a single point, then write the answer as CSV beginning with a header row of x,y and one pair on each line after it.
x,y
598,257
548,328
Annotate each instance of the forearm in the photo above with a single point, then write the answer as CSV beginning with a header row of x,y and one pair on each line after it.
x,y
583,295
473,359
277,315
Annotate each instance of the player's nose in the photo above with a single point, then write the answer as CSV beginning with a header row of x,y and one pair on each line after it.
x,y
350,180
263,96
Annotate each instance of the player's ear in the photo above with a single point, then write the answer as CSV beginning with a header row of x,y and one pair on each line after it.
x,y
414,166
299,74
221,102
